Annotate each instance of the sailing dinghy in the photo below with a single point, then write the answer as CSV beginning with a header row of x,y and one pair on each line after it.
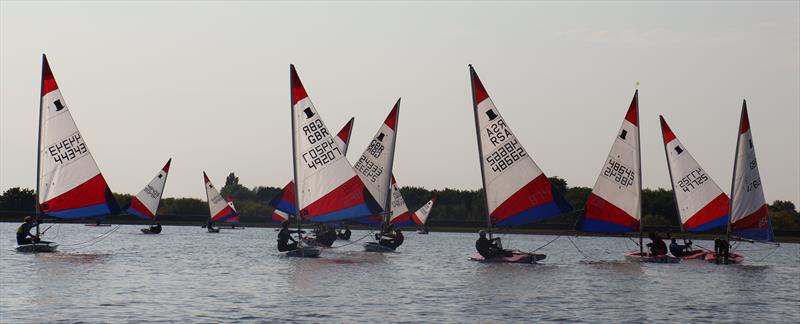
x,y
420,217
145,204
615,203
701,204
69,184
374,168
327,188
232,221
219,209
749,217
515,188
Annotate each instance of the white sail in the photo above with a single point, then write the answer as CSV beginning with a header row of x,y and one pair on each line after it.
x,y
749,215
145,203
400,214
70,183
702,205
218,207
374,167
420,217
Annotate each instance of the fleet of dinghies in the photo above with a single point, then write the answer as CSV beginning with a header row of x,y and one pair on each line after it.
x,y
327,188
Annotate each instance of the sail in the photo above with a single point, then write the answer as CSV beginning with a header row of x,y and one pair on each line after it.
x,y
420,217
374,167
702,205
235,218
614,205
284,201
70,183
327,187
145,203
749,217
517,191
218,207
279,216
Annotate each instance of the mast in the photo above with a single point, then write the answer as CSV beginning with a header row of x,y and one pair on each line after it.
x,y
294,156
38,212
733,177
669,168
388,213
480,149
161,194
639,161
208,201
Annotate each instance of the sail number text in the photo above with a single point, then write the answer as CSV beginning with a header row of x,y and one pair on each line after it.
x,y
315,131
68,149
693,180
323,153
504,156
368,169
618,173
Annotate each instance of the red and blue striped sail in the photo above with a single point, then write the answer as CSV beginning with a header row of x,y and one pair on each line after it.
x,y
517,191
702,205
749,215
328,188
233,219
70,183
400,215
614,205
219,209
284,201
145,203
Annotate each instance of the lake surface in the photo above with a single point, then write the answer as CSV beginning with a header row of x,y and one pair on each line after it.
x,y
188,275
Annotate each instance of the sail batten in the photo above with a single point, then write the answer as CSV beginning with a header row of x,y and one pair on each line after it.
x,y
70,184
516,189
614,205
749,217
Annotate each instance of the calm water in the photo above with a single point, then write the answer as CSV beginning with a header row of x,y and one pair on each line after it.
x,y
187,275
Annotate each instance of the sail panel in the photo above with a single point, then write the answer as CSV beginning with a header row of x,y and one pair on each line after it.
x,y
420,217
70,183
614,203
702,205
749,214
218,207
517,191
375,164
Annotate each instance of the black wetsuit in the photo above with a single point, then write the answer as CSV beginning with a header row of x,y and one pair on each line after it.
x,y
679,250
489,249
155,228
657,247
722,249
283,241
393,241
23,232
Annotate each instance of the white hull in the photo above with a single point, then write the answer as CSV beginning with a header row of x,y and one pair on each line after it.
x,y
42,246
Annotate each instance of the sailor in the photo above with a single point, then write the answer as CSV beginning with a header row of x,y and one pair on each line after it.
x,y
155,228
325,235
210,225
722,248
284,236
24,231
657,245
490,248
680,250
346,234
391,237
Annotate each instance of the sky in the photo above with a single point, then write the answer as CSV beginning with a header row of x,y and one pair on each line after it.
x,y
207,84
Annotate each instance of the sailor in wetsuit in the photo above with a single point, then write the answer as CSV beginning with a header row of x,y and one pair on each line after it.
x,y
156,229
722,249
657,245
24,231
680,250
284,236
344,235
490,248
392,239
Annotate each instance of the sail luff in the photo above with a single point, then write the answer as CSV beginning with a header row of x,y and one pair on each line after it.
x,y
669,169
639,164
292,81
388,202
38,212
480,147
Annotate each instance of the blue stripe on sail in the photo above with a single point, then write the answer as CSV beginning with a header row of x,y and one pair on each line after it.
x,y
599,226
284,206
227,219
137,213
717,222
407,223
543,211
756,234
83,212
342,214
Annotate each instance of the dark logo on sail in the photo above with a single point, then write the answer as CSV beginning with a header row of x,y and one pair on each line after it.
x,y
623,134
380,137
160,175
678,149
491,114
309,112
58,104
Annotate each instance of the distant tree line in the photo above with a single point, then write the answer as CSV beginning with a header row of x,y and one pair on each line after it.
x,y
452,205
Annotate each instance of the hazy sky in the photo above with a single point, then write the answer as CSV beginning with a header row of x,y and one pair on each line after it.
x,y
206,83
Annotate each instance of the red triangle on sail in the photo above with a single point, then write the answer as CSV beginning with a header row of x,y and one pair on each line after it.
x,y
633,110
166,166
298,91
48,80
205,177
344,134
477,87
744,123
666,131
391,120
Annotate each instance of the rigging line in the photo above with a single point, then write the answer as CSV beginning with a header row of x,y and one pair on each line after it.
x,y
579,249
352,242
768,254
548,243
94,240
